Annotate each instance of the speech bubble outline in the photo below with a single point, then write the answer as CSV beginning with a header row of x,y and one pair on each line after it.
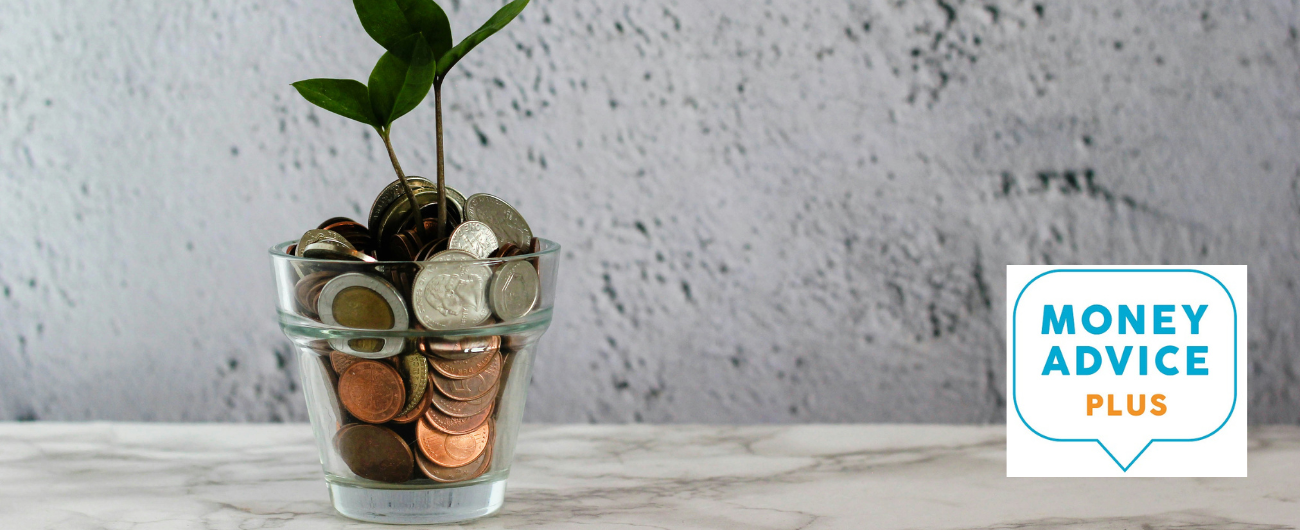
x,y
1235,375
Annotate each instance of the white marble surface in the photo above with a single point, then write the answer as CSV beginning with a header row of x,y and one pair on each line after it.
x,y
232,476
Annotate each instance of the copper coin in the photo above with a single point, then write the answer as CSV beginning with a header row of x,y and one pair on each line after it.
x,y
372,391
461,409
438,473
504,250
536,246
341,361
451,425
418,412
375,453
308,287
334,220
355,233
472,387
452,450
462,368
463,348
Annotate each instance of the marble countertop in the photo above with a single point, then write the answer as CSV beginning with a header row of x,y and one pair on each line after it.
x,y
160,476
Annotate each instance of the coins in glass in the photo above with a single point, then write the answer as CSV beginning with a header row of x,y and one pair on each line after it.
x,y
454,425
415,373
451,450
362,301
468,471
514,290
375,453
450,291
462,368
372,391
474,237
459,348
390,194
461,409
471,387
316,236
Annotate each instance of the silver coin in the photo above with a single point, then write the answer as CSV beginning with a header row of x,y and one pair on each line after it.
x,y
316,236
330,249
474,237
389,195
363,301
450,291
514,290
509,226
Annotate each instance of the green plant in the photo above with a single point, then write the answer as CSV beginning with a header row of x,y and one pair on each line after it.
x,y
419,53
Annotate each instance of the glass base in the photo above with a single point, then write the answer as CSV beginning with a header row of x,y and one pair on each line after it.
x,y
418,506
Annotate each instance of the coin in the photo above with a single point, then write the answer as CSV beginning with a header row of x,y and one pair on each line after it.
x,y
504,250
472,470
474,237
393,191
362,301
462,368
450,291
415,372
456,203
451,450
536,246
462,348
307,291
454,425
418,412
372,391
503,218
375,453
398,216
461,409
341,361
316,236
471,387
334,220
334,250
355,233
514,290
430,249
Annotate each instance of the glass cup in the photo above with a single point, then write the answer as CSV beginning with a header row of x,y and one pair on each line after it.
x,y
362,339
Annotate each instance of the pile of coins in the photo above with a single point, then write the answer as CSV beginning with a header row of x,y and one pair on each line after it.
x,y
431,410
424,403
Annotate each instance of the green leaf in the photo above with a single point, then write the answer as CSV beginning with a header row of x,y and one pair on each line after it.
x,y
425,16
398,86
391,22
384,21
344,97
493,25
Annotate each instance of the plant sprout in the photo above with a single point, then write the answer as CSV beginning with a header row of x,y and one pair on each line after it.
x,y
419,52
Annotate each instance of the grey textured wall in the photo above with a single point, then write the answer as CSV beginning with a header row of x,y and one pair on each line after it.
x,y
772,210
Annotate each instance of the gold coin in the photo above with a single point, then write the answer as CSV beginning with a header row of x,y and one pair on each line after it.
x,y
415,373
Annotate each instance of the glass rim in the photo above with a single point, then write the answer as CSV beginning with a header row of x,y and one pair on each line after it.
x,y
278,251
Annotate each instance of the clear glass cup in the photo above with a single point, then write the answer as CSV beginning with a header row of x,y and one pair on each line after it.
x,y
419,499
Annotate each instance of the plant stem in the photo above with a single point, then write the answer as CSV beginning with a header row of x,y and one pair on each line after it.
x,y
442,174
416,217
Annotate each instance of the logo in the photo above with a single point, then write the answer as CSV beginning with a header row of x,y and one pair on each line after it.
x,y
1126,371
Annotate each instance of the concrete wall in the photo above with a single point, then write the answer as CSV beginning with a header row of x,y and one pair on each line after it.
x,y
772,211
